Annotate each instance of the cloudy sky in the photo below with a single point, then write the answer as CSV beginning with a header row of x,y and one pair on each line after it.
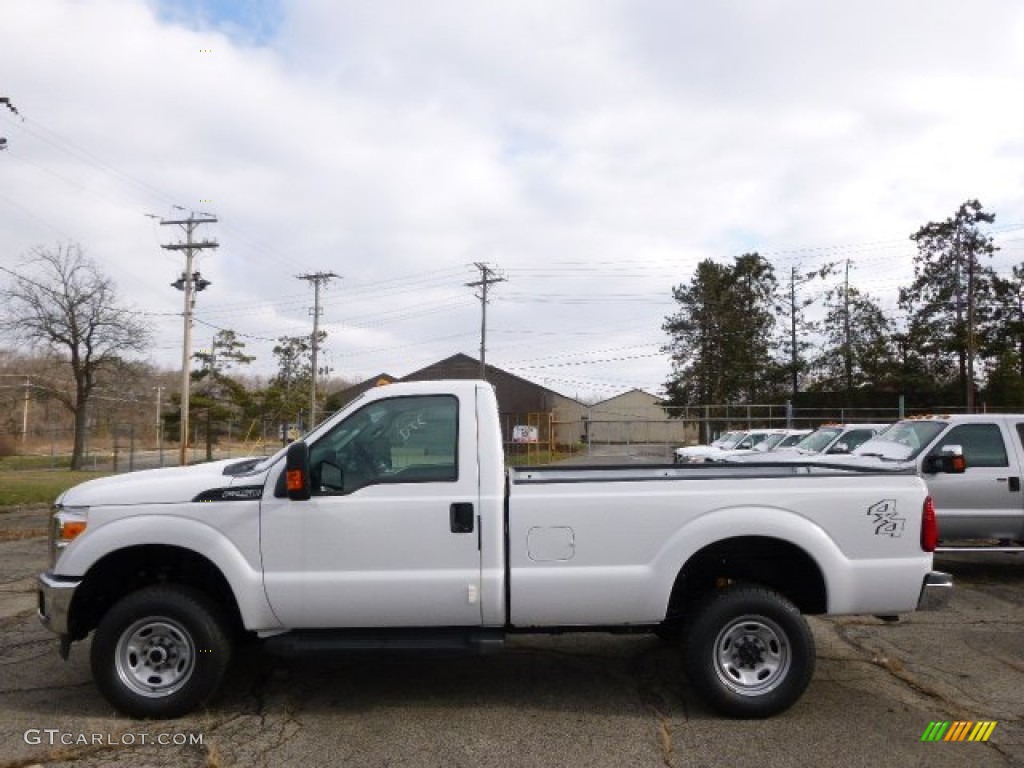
x,y
590,151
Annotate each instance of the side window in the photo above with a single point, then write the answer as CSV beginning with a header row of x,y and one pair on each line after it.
x,y
982,444
400,440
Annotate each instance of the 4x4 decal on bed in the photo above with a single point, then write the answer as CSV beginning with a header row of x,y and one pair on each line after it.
x,y
885,520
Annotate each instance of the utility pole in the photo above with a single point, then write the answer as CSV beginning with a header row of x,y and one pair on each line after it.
x,y
847,351
317,279
970,330
793,350
6,101
24,413
159,422
190,283
487,278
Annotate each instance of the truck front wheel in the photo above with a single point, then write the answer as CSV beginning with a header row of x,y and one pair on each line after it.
x,y
160,652
748,651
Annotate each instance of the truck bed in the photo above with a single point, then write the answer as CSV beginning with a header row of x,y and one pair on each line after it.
x,y
633,473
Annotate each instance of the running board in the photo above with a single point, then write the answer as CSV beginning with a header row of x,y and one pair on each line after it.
x,y
441,640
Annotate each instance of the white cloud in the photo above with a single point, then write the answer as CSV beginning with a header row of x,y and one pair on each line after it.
x,y
594,150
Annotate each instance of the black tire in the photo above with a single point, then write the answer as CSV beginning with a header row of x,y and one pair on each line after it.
x,y
748,652
160,652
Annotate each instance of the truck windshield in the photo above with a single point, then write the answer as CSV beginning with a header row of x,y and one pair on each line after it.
x,y
819,439
733,437
732,441
769,442
903,441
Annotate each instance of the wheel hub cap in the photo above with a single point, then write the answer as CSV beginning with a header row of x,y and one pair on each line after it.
x,y
752,655
155,657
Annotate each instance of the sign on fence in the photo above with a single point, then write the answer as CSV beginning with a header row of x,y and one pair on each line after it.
x,y
522,433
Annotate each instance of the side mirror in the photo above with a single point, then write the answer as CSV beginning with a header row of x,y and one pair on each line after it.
x,y
839,448
951,461
296,471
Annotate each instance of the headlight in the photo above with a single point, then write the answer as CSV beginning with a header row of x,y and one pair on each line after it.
x,y
66,525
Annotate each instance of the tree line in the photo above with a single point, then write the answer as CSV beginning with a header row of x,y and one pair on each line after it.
x,y
741,333
64,313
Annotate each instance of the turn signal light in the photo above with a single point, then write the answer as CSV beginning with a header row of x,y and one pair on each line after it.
x,y
70,529
295,480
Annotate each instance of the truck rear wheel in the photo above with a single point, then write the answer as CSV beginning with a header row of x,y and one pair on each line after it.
x,y
749,652
160,652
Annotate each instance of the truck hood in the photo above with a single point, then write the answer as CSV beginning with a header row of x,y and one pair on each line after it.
x,y
698,450
162,486
867,460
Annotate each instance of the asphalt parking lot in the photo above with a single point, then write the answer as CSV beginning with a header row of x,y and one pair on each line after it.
x,y
588,700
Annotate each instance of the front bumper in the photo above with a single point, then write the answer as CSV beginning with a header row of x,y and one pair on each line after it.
x,y
55,596
936,591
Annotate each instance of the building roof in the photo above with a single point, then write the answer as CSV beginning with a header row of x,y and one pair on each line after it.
x,y
621,395
344,396
462,366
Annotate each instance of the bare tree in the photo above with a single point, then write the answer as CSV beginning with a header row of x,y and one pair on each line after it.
x,y
60,298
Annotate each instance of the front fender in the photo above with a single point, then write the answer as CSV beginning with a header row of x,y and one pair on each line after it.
x,y
243,575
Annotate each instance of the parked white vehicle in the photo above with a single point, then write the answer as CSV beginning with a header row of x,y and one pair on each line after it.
x,y
826,440
394,524
986,501
741,441
778,439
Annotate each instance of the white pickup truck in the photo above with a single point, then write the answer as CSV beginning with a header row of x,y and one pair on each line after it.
x,y
394,524
979,507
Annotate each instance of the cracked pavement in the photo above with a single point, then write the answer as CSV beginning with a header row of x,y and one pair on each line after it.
x,y
594,699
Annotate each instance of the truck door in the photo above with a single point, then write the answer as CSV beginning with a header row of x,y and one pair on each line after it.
x,y
389,537
985,501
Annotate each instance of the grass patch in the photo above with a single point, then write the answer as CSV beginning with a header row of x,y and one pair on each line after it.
x,y
35,462
536,458
38,486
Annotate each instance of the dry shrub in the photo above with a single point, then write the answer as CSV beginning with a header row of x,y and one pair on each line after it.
x,y
8,445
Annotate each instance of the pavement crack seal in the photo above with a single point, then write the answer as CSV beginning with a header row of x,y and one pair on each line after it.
x,y
896,670
650,685
665,737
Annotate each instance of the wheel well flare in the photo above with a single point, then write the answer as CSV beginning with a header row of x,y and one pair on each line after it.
x,y
127,570
772,563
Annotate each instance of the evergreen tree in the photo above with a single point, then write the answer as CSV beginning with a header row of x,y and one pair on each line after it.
x,y
948,303
858,349
721,334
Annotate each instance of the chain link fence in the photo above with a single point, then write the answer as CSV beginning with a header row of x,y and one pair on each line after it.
x,y
529,438
125,448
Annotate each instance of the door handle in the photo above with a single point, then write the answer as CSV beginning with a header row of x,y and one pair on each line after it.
x,y
460,516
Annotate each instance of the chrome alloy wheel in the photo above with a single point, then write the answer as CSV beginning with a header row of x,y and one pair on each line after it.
x,y
155,657
752,655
